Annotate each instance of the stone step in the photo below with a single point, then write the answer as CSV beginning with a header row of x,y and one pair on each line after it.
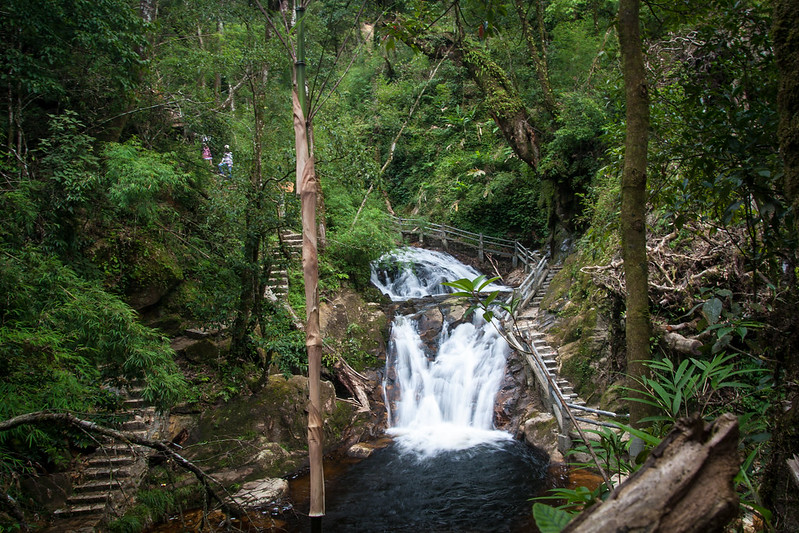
x,y
104,472
134,403
122,449
102,485
88,498
111,460
80,510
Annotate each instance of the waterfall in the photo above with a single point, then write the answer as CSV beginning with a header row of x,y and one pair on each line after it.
x,y
446,402
447,468
410,273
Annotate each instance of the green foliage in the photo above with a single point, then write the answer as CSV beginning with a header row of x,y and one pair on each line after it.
x,y
61,340
69,162
550,519
352,251
472,291
137,178
285,344
694,385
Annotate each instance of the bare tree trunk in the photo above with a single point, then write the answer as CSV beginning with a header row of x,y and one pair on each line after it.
x,y
779,490
633,200
685,485
313,337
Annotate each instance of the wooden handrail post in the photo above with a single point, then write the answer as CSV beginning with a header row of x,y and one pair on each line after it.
x,y
515,253
480,249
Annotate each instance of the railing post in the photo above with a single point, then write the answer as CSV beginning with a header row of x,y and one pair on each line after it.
x,y
480,249
444,239
515,253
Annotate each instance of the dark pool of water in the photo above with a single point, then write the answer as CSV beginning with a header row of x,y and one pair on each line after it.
x,y
481,489
486,488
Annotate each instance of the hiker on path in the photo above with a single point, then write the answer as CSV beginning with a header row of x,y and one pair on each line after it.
x,y
207,154
226,165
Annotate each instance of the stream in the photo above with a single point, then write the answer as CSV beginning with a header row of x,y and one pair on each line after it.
x,y
447,468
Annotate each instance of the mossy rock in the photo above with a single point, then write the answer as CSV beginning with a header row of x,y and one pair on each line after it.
x,y
355,327
265,434
142,268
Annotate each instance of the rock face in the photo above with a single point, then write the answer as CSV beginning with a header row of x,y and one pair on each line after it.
x,y
258,436
348,318
542,431
517,399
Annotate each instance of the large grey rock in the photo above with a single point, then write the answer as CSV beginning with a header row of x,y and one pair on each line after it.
x,y
542,431
261,492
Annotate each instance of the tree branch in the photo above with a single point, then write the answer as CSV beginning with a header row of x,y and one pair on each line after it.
x,y
41,418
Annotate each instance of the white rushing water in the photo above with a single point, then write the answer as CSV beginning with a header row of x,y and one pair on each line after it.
x,y
415,273
447,402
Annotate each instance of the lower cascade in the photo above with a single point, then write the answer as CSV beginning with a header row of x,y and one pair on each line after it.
x,y
447,469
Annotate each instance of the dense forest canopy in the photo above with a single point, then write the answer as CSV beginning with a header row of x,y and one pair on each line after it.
x,y
500,117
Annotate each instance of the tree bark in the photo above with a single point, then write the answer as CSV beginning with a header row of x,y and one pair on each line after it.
x,y
685,486
313,338
633,200
779,491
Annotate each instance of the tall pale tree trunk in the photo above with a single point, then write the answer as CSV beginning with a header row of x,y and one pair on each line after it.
x,y
633,199
308,187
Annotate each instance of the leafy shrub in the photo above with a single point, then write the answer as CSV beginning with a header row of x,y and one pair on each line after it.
x,y
61,339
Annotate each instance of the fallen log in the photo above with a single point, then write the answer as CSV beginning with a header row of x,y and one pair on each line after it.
x,y
685,485
357,384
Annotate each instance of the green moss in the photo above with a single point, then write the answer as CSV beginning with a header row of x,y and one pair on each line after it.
x,y
500,99
339,421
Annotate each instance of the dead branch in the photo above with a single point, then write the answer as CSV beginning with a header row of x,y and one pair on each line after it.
x,y
682,344
685,486
355,382
42,418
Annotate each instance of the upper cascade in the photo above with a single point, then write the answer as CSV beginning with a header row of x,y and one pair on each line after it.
x,y
409,273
